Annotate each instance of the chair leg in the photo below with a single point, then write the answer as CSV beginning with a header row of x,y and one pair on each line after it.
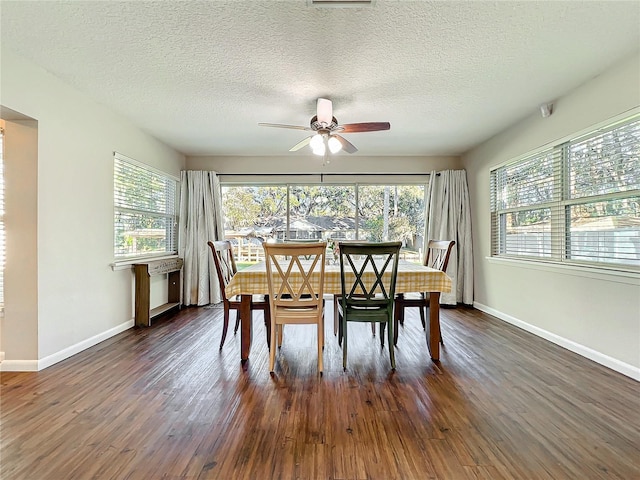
x,y
422,317
392,353
344,344
280,328
400,309
235,329
382,327
335,315
225,325
396,320
320,345
267,324
373,328
272,347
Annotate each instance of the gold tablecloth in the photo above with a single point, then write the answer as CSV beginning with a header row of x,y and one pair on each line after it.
x,y
412,277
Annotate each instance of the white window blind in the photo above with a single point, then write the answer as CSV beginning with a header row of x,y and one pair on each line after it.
x,y
145,208
577,202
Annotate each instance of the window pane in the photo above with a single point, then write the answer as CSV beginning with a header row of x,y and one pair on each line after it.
x,y
322,212
526,233
606,231
605,163
525,183
253,214
138,234
140,189
393,213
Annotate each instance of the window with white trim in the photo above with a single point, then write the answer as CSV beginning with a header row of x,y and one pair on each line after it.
x,y
145,210
577,202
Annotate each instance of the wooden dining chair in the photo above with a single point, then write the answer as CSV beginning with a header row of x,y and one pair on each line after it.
x,y
226,268
295,274
368,273
438,252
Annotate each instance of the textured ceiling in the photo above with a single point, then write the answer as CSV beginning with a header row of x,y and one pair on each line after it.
x,y
201,75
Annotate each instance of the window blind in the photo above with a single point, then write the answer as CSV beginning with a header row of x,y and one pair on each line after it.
x,y
578,201
602,204
145,208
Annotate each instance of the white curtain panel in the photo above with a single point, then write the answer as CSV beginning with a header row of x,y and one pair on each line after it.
x,y
200,222
448,217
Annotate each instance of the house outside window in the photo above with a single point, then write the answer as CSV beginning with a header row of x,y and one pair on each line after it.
x,y
577,202
145,210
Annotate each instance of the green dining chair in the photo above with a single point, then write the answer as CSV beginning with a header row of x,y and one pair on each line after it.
x,y
368,273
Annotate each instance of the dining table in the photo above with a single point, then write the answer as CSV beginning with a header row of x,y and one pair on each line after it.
x,y
412,277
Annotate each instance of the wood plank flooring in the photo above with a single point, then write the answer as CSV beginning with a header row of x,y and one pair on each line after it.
x,y
165,403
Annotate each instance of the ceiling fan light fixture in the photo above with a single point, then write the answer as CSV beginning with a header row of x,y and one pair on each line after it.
x,y
316,141
319,150
334,145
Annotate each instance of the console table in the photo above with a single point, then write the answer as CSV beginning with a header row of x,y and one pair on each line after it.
x,y
143,273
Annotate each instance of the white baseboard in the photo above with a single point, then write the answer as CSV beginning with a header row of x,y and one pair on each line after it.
x,y
601,358
19,366
36,365
1,357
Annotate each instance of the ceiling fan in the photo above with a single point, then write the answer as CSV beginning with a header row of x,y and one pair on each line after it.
x,y
326,137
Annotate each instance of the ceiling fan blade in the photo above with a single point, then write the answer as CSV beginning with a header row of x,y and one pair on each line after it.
x,y
347,146
279,125
324,111
301,144
365,127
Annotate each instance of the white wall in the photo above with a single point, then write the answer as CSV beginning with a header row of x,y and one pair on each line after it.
x,y
595,315
20,321
80,299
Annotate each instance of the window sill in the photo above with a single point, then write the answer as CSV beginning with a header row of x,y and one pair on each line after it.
x,y
599,273
126,264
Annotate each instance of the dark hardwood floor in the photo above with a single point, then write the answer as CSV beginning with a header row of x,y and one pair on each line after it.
x,y
165,403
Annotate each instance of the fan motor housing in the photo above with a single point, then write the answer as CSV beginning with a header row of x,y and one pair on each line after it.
x,y
315,125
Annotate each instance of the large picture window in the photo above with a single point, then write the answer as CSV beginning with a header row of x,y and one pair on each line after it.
x,y
254,214
577,202
145,202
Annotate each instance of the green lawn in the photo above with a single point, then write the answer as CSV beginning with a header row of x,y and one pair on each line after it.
x,y
241,265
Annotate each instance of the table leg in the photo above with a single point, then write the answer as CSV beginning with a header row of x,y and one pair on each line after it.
x,y
433,335
245,327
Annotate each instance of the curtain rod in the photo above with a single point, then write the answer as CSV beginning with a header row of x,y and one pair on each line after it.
x,y
322,174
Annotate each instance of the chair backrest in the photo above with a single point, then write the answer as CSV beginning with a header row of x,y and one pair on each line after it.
x,y
438,252
225,263
368,272
295,273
